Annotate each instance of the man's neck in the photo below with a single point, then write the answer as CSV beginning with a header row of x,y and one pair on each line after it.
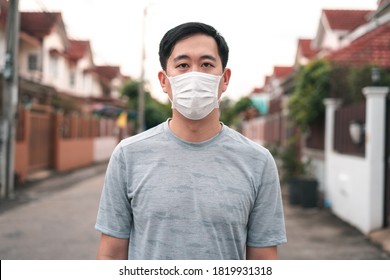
x,y
195,131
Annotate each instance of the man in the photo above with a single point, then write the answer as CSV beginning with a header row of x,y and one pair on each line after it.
x,y
191,188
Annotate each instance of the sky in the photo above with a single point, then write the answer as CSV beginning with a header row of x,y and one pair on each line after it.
x,y
260,34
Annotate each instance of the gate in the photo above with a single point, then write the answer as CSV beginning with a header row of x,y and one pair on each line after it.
x,y
41,143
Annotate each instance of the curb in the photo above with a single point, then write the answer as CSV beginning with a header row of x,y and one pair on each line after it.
x,y
43,186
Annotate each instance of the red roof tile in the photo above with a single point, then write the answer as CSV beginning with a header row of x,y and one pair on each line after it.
x,y
371,48
77,49
39,24
108,72
346,19
282,71
256,90
305,46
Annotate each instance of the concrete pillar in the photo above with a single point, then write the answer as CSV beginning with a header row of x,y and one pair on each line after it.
x,y
375,151
331,105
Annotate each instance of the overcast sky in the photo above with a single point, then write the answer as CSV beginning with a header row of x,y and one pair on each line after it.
x,y
260,34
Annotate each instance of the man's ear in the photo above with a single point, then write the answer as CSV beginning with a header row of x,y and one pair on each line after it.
x,y
226,78
164,82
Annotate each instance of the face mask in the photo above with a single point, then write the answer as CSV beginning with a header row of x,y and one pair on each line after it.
x,y
195,94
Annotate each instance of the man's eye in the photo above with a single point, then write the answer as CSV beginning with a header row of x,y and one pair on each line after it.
x,y
206,64
182,65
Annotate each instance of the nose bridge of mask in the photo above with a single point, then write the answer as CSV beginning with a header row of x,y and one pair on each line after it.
x,y
194,82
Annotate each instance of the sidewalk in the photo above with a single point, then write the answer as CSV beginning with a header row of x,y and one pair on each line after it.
x,y
46,184
313,233
316,233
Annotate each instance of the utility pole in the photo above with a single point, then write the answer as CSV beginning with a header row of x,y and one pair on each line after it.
x,y
10,101
141,89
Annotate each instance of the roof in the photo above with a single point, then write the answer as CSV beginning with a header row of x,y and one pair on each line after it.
x,y
371,48
108,72
282,71
346,19
77,49
305,46
39,24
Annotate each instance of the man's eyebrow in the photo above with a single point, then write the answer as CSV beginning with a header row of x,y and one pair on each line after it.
x,y
180,57
208,56
184,56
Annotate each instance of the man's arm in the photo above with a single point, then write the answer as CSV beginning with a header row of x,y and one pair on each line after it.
x,y
112,248
261,253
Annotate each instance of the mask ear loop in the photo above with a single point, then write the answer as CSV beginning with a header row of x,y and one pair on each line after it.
x,y
166,75
220,78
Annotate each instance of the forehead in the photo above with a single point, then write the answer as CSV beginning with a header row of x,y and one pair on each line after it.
x,y
195,46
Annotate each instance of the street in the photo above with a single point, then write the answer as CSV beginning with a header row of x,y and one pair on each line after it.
x,y
60,225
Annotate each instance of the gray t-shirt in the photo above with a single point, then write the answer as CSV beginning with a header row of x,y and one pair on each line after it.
x,y
180,200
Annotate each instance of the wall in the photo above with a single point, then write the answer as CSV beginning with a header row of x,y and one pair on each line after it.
x,y
74,153
254,129
103,147
21,160
2,48
348,189
354,185
53,41
317,166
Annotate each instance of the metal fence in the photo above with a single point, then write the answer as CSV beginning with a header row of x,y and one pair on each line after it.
x,y
345,116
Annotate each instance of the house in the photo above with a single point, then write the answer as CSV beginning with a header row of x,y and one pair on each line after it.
x,y
62,93
353,176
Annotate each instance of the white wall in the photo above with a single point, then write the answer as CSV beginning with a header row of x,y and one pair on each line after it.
x,y
54,41
103,147
348,189
355,186
25,50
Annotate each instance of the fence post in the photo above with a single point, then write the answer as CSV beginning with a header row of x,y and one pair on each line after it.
x,y
331,106
57,127
375,151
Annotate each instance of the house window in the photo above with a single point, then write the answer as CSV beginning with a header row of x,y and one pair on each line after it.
x,y
32,62
72,78
53,66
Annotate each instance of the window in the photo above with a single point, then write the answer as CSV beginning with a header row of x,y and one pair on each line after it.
x,y
54,66
32,62
72,78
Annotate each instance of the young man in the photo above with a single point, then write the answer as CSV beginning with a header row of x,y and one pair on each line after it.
x,y
191,188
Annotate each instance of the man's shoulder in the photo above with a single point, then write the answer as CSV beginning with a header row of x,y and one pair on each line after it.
x,y
244,142
148,135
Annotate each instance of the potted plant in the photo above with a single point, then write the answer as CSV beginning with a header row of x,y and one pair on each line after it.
x,y
305,105
302,187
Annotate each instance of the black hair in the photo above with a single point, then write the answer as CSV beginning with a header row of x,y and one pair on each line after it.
x,y
185,30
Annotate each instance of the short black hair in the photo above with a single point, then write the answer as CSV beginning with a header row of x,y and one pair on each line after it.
x,y
185,30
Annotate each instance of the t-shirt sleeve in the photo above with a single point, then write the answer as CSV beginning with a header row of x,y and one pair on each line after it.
x,y
266,225
114,215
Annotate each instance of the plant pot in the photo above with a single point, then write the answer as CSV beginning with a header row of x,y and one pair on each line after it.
x,y
294,191
303,191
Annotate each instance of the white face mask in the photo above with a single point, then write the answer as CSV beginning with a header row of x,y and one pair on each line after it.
x,y
195,94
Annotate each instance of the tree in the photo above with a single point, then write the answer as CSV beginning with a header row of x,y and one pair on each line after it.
x,y
306,103
155,111
231,111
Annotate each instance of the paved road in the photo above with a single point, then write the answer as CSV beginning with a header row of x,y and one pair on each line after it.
x,y
57,225
60,225
316,234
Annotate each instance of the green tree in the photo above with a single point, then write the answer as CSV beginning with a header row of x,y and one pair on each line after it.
x,y
231,111
155,111
311,87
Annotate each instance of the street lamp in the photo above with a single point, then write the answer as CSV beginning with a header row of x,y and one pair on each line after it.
x,y
141,88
